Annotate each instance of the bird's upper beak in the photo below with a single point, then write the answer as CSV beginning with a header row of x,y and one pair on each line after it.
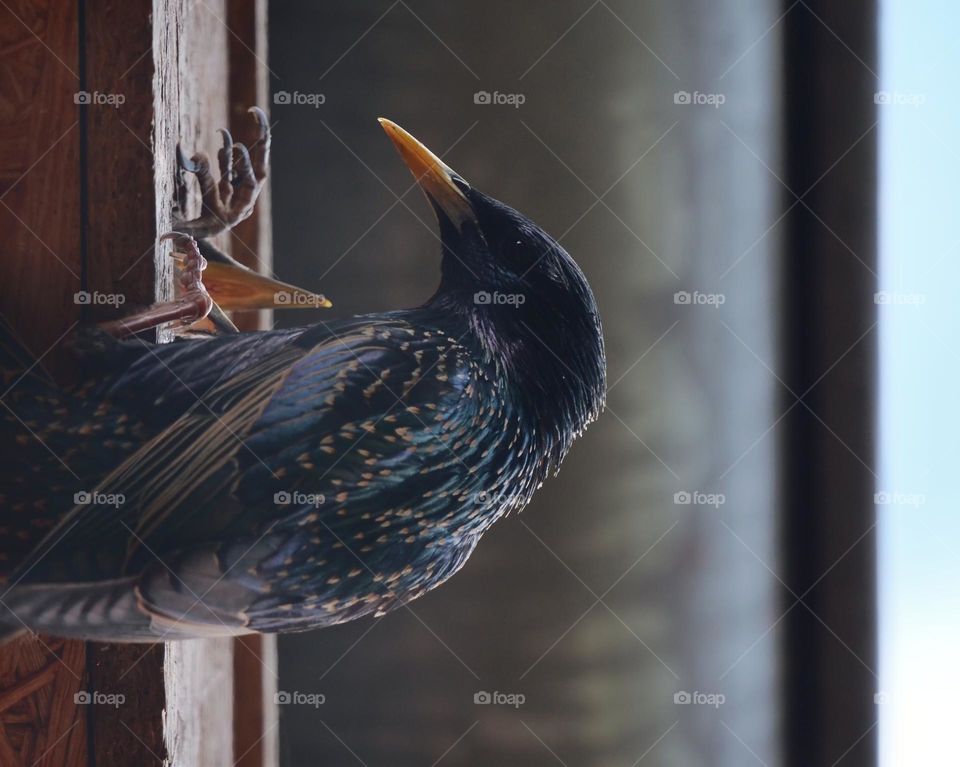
x,y
234,287
433,175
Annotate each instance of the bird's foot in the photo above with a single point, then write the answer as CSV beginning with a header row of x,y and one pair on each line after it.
x,y
192,304
243,173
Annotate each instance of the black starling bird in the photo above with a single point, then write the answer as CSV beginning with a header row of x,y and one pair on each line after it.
x,y
290,479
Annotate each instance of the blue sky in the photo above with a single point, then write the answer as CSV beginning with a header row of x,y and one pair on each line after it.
x,y
920,363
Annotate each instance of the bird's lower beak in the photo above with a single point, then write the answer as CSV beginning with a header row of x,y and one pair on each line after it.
x,y
433,175
234,287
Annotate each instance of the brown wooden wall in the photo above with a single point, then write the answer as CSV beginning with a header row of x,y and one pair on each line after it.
x,y
85,188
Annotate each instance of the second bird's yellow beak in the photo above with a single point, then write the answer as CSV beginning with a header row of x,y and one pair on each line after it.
x,y
236,288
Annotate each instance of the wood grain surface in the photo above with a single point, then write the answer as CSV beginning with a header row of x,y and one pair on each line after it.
x,y
40,271
94,98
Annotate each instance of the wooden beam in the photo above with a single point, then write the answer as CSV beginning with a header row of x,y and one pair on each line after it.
x,y
41,270
192,87
40,174
256,733
98,95
251,242
120,204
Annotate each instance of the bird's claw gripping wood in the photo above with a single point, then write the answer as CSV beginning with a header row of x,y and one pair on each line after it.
x,y
230,285
243,173
193,303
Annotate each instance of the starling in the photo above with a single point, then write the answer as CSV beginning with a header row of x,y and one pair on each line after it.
x,y
290,479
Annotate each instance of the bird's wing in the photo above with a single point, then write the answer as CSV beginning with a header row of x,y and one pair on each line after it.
x,y
127,394
93,539
215,470
379,468
227,589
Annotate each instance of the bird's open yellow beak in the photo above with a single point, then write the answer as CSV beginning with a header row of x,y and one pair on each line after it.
x,y
432,174
234,287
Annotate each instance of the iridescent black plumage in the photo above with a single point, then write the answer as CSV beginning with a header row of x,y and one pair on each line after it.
x,y
289,479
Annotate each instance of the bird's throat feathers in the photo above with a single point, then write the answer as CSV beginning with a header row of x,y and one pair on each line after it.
x,y
552,365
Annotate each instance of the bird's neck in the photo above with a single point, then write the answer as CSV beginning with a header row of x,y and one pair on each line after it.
x,y
555,387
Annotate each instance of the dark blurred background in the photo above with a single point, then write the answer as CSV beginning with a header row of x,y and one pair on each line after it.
x,y
696,586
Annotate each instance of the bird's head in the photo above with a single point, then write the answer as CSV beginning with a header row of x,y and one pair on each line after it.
x,y
523,297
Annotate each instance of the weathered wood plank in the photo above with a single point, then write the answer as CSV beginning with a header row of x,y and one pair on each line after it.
x,y
256,731
132,731
198,676
250,240
120,196
255,717
41,269
191,89
119,207
39,172
83,194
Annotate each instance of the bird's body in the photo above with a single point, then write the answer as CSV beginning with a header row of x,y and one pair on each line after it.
x,y
288,479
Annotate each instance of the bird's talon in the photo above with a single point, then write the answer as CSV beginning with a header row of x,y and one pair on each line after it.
x,y
244,175
262,123
183,163
180,238
232,199
225,156
193,303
